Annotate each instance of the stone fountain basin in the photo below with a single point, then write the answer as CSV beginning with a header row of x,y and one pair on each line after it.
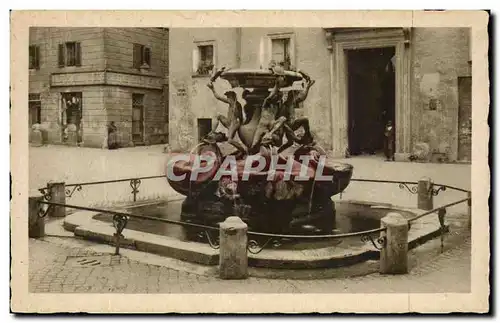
x,y
258,78
341,174
84,224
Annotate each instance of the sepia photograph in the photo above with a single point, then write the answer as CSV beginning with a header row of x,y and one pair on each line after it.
x,y
334,159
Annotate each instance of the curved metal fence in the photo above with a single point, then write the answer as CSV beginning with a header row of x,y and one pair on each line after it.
x,y
120,219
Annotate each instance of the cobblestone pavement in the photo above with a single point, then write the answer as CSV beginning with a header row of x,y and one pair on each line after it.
x,y
51,270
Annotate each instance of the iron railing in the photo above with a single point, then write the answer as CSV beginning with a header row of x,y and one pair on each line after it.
x,y
120,219
71,188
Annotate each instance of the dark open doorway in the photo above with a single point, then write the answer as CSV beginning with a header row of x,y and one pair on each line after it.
x,y
204,128
371,98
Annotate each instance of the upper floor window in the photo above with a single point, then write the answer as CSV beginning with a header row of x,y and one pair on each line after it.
x,y
34,53
278,48
203,58
142,56
280,52
70,54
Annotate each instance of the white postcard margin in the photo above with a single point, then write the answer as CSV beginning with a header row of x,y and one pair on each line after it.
x,y
23,301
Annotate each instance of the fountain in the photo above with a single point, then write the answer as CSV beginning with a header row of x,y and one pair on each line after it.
x,y
298,204
292,220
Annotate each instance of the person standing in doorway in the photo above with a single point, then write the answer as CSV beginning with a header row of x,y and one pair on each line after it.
x,y
389,141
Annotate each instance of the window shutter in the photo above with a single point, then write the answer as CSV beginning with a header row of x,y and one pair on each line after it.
x,y
61,55
147,56
196,59
137,56
37,57
78,54
31,57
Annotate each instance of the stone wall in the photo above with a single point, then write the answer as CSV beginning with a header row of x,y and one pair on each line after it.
x,y
190,98
439,57
92,58
106,79
119,45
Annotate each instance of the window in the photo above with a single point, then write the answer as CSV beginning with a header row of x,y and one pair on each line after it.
x,y
35,108
70,54
203,59
34,52
137,117
142,56
281,52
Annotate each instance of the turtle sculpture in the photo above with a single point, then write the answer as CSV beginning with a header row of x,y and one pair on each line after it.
x,y
292,200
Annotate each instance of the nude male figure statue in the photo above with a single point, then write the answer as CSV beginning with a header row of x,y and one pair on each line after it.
x,y
234,117
269,109
286,121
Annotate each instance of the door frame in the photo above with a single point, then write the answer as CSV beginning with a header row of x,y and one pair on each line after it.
x,y
346,39
356,115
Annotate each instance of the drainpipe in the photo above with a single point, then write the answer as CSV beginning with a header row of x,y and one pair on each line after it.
x,y
238,47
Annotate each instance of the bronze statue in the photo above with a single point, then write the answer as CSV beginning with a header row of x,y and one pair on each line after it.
x,y
267,121
279,204
286,121
234,117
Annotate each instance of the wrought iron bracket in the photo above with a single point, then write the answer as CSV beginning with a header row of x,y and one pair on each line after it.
x,y
254,247
69,192
47,196
134,184
214,243
413,189
441,214
378,244
120,222
435,191
43,213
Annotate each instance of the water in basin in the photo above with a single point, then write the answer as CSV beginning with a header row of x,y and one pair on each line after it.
x,y
350,217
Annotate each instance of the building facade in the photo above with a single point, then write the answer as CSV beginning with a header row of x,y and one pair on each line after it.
x,y
418,78
82,79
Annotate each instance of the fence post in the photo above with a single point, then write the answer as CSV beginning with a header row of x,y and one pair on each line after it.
x,y
425,197
57,195
36,224
394,254
469,209
233,258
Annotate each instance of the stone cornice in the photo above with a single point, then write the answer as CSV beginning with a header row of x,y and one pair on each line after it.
x,y
106,78
349,34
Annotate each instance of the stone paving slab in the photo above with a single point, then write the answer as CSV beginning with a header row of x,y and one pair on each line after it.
x,y
446,272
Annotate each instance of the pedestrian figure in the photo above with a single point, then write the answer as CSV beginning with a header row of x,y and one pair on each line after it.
x,y
389,141
112,136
